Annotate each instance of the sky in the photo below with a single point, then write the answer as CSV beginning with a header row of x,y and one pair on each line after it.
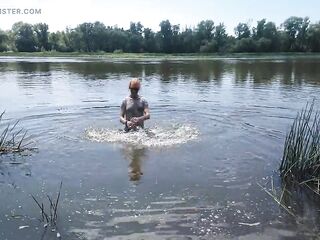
x,y
59,14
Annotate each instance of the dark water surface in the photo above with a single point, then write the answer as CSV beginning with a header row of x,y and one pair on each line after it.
x,y
216,131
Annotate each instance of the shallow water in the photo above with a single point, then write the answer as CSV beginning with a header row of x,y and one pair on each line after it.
x,y
217,129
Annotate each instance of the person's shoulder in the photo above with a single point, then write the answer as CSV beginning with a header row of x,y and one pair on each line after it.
x,y
126,99
143,99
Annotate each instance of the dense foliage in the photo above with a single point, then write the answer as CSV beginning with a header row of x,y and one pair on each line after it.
x,y
296,34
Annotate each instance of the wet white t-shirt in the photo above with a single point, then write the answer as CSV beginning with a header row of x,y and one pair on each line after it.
x,y
133,107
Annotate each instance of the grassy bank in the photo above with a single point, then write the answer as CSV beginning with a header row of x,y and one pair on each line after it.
x,y
161,56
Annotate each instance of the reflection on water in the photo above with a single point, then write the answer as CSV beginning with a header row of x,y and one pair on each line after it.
x,y
135,156
217,129
11,167
260,71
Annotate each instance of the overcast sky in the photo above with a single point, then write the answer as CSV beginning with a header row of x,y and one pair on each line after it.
x,y
59,14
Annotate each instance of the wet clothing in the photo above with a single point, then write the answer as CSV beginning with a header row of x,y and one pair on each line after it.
x,y
133,107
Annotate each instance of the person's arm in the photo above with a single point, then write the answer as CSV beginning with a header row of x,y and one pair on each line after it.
x,y
123,119
123,112
146,113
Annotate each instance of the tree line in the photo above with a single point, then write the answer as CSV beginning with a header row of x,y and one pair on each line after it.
x,y
295,34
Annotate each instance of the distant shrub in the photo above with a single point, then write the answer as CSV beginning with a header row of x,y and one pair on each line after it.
x,y
118,51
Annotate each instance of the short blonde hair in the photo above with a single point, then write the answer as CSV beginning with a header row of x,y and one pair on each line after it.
x,y
134,83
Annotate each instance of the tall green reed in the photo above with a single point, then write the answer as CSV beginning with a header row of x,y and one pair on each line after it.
x,y
301,154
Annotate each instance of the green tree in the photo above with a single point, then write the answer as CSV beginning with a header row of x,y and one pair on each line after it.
x,y
205,30
166,35
189,41
62,41
263,45
135,41
54,41
149,40
259,31
118,39
302,35
266,36
270,31
85,31
136,28
89,37
295,29
99,33
245,45
313,37
176,39
242,30
76,39
3,41
11,44
42,36
25,40
221,38
208,47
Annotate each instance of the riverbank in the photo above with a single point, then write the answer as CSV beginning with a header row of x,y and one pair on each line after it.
x,y
161,56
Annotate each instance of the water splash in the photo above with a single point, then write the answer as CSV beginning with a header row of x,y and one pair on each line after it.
x,y
150,137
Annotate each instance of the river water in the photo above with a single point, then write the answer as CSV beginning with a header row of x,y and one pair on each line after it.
x,y
216,133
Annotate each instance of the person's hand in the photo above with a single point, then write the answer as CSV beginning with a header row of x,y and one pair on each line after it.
x,y
135,120
130,124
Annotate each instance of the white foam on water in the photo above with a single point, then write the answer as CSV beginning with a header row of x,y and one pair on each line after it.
x,y
151,137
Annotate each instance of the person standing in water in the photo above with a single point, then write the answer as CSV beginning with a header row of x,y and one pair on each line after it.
x,y
134,108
